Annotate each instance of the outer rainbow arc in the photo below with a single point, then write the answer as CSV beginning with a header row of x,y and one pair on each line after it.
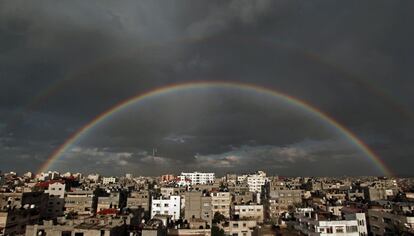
x,y
218,84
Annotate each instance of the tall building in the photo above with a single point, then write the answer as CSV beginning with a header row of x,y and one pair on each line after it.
x,y
198,206
256,181
199,177
56,200
166,206
109,180
221,202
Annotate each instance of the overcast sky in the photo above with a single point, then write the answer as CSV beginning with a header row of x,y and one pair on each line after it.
x,y
62,63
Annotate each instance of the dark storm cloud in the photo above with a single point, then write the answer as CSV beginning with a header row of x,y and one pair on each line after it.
x,y
62,63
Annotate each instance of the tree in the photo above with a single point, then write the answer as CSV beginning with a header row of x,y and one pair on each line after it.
x,y
216,231
218,217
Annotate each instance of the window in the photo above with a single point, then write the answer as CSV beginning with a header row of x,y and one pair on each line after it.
x,y
352,229
66,233
78,234
339,229
329,230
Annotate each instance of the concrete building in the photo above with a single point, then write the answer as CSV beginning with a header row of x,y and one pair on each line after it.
x,y
167,178
388,221
167,192
36,199
109,180
198,206
280,200
310,223
56,201
189,232
13,221
221,202
199,177
115,200
182,181
248,212
256,181
91,227
139,199
169,206
93,177
83,202
241,227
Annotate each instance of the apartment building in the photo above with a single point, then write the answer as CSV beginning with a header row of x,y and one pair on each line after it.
x,y
166,206
199,177
248,212
256,181
241,227
139,199
83,202
13,221
311,223
56,200
221,202
198,205
386,221
109,180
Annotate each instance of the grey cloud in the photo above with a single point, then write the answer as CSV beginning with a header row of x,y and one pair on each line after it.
x,y
350,60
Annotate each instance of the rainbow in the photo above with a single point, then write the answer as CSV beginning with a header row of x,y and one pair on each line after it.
x,y
244,87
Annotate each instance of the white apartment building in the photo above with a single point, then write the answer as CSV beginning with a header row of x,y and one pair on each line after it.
x,y
199,177
93,177
169,206
108,180
241,178
352,225
256,181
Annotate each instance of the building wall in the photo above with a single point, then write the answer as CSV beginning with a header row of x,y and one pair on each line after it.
x,y
252,212
241,227
56,201
382,222
75,230
108,180
220,202
14,221
199,177
82,202
170,206
198,206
